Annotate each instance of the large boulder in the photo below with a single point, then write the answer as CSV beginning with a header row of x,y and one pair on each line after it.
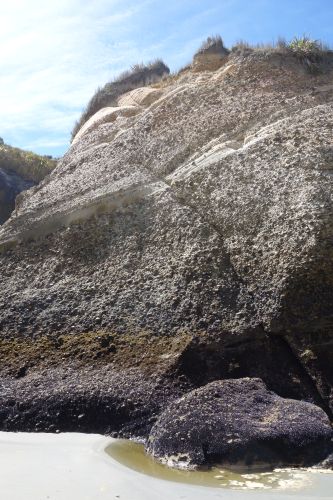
x,y
240,422
211,211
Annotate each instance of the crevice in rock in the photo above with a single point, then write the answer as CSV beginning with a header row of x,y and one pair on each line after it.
x,y
257,355
186,203
314,373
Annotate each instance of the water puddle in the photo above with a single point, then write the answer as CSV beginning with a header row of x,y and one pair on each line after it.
x,y
292,481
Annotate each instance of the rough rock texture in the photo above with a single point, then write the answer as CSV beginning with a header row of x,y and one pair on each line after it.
x,y
105,115
129,104
207,213
11,185
121,403
88,382
138,76
143,96
211,62
240,422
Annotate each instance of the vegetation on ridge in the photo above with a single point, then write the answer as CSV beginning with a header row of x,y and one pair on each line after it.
x,y
306,47
211,44
308,51
26,164
299,46
139,75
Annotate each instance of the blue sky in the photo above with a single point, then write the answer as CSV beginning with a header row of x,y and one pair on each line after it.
x,y
54,55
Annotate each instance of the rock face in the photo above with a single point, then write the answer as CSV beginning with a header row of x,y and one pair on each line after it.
x,y
143,96
207,213
138,77
11,185
105,115
240,422
129,104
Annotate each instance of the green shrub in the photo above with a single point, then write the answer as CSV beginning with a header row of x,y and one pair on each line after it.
x,y
139,75
305,46
298,45
310,52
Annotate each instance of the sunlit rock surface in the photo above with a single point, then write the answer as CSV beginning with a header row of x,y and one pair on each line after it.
x,y
209,212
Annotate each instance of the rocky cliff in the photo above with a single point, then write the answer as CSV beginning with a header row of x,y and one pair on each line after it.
x,y
185,237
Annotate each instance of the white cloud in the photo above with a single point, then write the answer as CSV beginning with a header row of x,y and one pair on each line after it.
x,y
53,56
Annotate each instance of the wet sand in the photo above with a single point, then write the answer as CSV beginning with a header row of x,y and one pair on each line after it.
x,y
77,467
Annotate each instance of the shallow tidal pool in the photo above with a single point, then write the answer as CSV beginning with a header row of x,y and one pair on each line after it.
x,y
92,467
299,482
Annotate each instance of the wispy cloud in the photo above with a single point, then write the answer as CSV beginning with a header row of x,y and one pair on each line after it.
x,y
52,59
55,54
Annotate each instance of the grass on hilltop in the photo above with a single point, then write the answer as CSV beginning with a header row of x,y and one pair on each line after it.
x,y
307,47
211,44
26,164
139,75
308,51
301,47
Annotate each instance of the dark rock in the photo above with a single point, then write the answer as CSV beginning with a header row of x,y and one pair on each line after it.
x,y
121,404
21,372
11,185
256,355
240,422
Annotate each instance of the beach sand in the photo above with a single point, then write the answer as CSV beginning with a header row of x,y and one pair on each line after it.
x,y
76,467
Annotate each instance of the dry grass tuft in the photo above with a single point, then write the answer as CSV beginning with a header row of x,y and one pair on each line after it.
x,y
139,75
211,45
311,53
